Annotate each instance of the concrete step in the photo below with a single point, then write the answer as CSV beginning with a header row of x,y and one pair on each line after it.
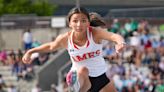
x,y
22,85
26,86
6,73
10,78
12,83
5,68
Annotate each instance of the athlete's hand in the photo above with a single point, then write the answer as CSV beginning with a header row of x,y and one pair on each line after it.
x,y
27,58
120,47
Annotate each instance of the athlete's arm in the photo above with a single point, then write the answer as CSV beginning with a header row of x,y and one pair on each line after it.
x,y
47,47
103,34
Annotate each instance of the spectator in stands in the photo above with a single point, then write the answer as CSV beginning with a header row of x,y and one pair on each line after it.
x,y
162,41
36,88
161,66
127,26
2,83
3,57
135,39
39,58
19,54
115,27
12,88
65,87
27,39
160,86
19,70
155,72
53,88
143,26
11,57
155,43
43,58
36,44
83,43
29,72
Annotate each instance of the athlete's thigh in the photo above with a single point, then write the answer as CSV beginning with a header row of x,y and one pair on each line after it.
x,y
109,87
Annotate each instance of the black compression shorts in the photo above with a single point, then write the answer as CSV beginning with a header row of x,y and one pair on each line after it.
x,y
97,83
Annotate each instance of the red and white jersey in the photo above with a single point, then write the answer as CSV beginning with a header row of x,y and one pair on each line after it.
x,y
89,55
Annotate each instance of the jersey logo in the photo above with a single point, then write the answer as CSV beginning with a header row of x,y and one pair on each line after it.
x,y
85,56
71,50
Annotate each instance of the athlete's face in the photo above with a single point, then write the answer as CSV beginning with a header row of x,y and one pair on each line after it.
x,y
79,22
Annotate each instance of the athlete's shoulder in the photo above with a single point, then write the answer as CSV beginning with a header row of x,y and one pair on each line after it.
x,y
62,39
99,33
95,30
63,36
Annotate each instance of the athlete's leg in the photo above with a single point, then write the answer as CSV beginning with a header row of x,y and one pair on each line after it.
x,y
109,87
83,79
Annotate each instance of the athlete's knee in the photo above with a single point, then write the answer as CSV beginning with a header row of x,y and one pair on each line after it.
x,y
84,79
83,75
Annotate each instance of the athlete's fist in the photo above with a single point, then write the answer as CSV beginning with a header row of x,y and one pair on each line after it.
x,y
119,47
27,58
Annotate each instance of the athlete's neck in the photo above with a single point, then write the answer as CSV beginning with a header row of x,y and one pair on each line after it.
x,y
80,36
